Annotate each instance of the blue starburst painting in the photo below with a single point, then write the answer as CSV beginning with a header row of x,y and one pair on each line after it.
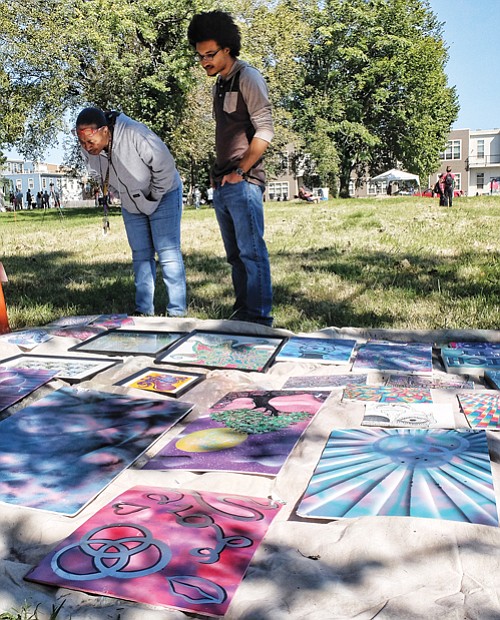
x,y
436,474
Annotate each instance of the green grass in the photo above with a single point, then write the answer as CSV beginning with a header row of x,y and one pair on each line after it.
x,y
401,263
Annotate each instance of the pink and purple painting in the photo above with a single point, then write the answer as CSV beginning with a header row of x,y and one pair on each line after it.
x,y
58,453
175,548
16,383
434,474
251,432
394,357
481,410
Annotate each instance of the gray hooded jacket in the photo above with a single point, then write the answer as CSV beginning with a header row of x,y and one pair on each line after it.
x,y
142,169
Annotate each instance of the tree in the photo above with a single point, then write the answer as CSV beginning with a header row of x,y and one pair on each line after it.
x,y
375,88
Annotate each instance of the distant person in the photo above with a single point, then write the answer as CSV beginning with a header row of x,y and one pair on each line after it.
x,y
305,194
29,199
449,186
46,199
197,197
439,189
134,162
244,130
19,199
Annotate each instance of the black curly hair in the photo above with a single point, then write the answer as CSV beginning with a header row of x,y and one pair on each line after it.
x,y
218,26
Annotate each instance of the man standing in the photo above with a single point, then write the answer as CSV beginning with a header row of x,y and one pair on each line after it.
x,y
449,185
244,129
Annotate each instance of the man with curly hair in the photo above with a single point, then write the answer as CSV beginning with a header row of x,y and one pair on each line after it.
x,y
244,129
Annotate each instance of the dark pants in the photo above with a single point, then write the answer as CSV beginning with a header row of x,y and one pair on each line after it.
x,y
448,196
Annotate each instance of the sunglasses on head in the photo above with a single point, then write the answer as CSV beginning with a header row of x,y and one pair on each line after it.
x,y
86,132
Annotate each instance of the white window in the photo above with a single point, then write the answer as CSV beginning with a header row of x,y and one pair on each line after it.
x,y
480,180
480,149
458,180
278,190
453,150
31,184
44,183
19,184
352,191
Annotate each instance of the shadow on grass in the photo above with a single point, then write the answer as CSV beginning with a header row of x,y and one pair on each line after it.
x,y
57,280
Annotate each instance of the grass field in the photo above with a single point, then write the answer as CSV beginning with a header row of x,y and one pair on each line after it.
x,y
390,262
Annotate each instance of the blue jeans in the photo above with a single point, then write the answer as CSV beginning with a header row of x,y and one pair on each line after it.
x,y
240,213
159,232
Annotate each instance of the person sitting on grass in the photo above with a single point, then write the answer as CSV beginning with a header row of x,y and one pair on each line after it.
x,y
306,195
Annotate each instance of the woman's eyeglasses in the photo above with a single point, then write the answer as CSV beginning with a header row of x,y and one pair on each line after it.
x,y
209,56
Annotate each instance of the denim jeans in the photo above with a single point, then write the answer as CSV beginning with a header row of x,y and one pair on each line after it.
x,y
159,232
240,213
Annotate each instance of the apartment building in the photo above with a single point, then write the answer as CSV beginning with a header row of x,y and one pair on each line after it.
x,y
20,175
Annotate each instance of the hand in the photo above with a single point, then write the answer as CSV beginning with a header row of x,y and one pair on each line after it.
x,y
232,178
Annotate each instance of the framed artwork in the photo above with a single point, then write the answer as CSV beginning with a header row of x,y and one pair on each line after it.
x,y
387,394
434,474
60,452
71,369
175,548
323,382
481,410
223,350
128,342
319,350
16,383
409,415
252,432
394,357
169,382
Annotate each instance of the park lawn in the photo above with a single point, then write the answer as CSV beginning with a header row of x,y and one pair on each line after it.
x,y
402,263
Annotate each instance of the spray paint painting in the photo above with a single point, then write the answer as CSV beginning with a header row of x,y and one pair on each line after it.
x,y
59,453
182,549
435,474
251,432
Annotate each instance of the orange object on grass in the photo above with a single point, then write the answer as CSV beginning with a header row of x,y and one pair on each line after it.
x,y
4,321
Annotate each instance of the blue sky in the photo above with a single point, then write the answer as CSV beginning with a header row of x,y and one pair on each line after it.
x,y
471,31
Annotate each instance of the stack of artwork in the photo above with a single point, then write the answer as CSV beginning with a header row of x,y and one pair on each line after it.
x,y
189,550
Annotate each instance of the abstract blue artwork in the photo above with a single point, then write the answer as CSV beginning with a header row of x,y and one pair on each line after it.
x,y
60,452
437,474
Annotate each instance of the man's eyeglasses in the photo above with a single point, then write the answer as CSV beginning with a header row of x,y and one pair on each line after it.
x,y
209,56
86,132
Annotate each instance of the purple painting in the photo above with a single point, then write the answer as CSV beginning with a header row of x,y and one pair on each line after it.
x,y
60,452
16,383
250,432
395,357
182,549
